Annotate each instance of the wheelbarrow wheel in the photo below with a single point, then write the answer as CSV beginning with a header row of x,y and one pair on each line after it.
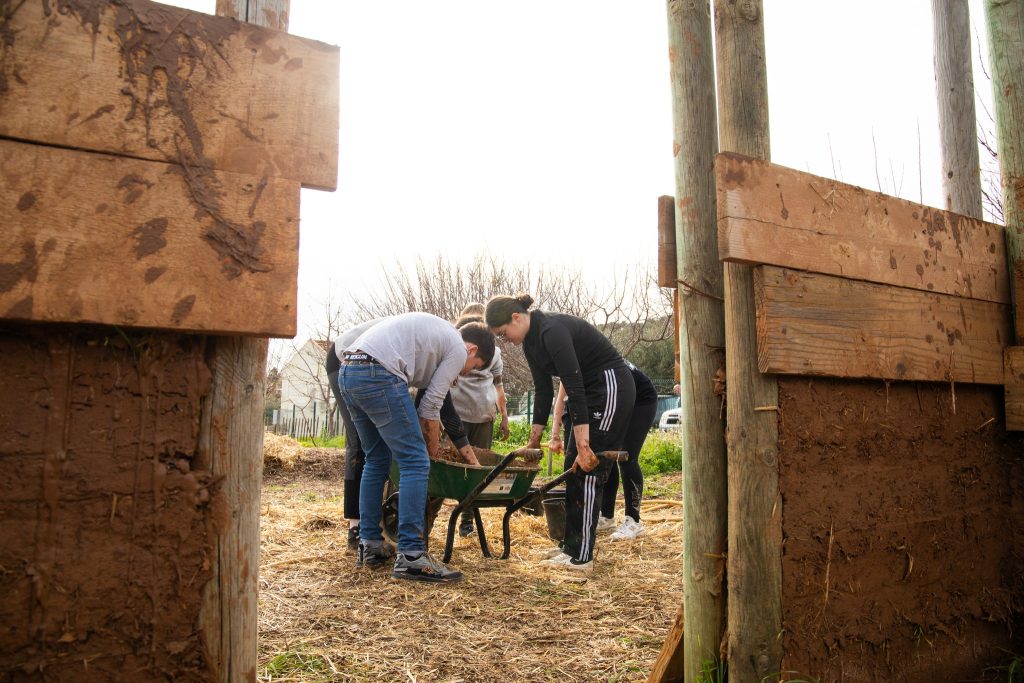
x,y
389,513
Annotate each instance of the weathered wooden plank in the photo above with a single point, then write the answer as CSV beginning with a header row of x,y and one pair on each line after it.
x,y
779,216
811,324
142,79
1013,379
668,668
93,238
1018,298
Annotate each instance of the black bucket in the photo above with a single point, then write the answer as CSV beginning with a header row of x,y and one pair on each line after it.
x,y
554,515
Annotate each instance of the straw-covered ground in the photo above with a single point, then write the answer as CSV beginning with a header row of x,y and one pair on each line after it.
x,y
321,619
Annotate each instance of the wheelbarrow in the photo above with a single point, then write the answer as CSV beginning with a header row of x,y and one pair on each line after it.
x,y
490,484
498,481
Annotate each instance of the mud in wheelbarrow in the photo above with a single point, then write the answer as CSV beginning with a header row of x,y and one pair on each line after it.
x,y
499,481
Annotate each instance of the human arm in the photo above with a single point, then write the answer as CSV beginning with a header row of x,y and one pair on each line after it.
x,y
555,442
502,402
431,436
456,430
586,459
545,393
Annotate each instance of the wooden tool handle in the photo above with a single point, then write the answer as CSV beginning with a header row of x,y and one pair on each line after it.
x,y
617,456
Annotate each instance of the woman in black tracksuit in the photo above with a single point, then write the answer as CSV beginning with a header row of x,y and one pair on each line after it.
x,y
600,393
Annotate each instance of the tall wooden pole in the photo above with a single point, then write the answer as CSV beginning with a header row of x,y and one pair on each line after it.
x,y
755,505
954,88
701,330
1005,20
231,445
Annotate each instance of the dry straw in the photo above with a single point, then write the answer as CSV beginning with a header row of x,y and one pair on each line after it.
x,y
321,619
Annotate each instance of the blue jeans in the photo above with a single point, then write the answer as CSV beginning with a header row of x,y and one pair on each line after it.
x,y
388,427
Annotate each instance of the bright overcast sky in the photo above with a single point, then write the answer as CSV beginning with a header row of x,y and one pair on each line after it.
x,y
541,130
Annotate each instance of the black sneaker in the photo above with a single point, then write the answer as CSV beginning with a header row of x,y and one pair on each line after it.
x,y
353,538
373,554
423,568
466,526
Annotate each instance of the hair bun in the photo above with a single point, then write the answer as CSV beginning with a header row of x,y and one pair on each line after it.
x,y
525,299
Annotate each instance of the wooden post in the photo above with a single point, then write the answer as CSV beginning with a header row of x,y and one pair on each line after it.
x,y
754,645
1005,20
269,13
701,330
954,87
667,242
231,444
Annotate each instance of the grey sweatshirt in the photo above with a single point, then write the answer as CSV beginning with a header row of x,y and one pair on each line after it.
x,y
475,395
350,335
424,350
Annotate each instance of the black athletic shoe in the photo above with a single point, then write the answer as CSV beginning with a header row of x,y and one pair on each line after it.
x,y
423,568
373,554
353,538
466,527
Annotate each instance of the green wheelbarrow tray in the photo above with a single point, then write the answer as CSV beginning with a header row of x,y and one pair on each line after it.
x,y
458,479
498,481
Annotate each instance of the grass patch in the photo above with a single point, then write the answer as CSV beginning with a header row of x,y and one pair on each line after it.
x,y
662,452
712,671
313,668
333,442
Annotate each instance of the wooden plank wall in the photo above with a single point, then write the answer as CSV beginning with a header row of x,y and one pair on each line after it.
x,y
146,80
96,238
152,163
772,214
812,324
828,251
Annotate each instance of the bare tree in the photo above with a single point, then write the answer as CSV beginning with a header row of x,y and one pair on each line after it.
x,y
628,307
991,179
307,369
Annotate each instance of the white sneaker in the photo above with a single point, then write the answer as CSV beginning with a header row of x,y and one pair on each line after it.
x,y
629,530
564,561
560,558
605,524
552,552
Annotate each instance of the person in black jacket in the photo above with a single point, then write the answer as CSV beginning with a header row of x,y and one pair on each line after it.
x,y
601,395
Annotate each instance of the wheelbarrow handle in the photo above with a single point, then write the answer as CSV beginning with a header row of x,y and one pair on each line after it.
x,y
617,456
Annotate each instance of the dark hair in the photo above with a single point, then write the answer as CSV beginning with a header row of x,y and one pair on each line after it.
x,y
477,333
466,319
500,308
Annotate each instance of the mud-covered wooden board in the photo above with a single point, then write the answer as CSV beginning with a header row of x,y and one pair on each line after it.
x,y
103,239
142,79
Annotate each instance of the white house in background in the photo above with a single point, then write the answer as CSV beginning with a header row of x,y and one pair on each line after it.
x,y
304,389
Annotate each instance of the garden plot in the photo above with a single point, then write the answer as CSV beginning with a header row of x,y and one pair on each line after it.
x,y
321,619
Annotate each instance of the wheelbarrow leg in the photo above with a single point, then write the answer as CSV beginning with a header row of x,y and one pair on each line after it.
x,y
506,536
468,501
450,539
484,548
